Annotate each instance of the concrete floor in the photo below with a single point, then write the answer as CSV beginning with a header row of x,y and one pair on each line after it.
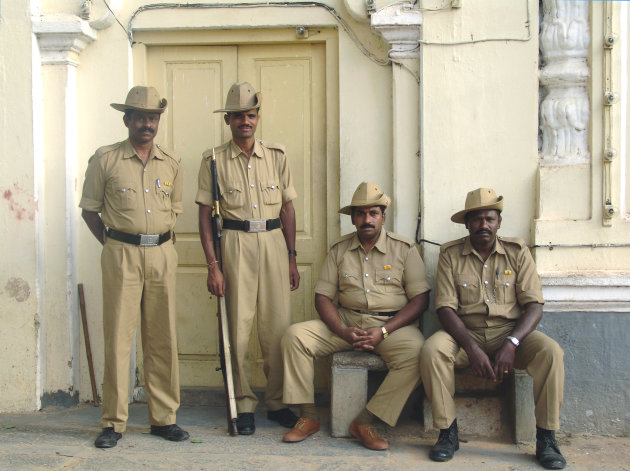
x,y
62,439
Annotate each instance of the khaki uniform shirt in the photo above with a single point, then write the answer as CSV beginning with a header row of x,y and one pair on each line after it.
x,y
130,196
383,280
487,293
250,188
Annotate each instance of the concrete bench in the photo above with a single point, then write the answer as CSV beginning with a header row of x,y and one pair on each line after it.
x,y
349,387
483,408
493,410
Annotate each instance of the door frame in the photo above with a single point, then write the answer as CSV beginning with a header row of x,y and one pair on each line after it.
x,y
280,36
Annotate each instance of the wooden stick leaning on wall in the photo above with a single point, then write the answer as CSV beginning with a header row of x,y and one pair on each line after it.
x,y
225,348
88,348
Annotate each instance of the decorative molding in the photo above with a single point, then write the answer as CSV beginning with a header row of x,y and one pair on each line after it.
x,y
586,292
399,24
109,17
61,38
565,109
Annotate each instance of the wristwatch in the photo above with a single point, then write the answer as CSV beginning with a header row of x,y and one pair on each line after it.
x,y
514,340
294,252
385,333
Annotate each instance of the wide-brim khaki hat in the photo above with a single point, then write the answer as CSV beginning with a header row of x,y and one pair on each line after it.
x,y
241,97
367,194
142,99
481,198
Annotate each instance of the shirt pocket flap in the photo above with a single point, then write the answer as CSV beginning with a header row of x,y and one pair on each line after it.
x,y
232,195
466,281
271,192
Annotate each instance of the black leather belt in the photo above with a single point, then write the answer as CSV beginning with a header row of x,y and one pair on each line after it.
x,y
387,313
143,240
252,225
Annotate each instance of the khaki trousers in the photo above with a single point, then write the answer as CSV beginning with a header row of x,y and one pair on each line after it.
x,y
539,354
139,284
305,341
256,269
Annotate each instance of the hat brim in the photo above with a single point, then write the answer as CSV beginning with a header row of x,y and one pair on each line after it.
x,y
122,107
460,216
238,108
384,201
346,210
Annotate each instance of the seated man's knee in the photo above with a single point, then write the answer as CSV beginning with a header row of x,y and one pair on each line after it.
x,y
433,350
291,338
553,350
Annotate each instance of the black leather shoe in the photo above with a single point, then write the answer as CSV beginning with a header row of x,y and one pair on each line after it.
x,y
547,450
284,417
108,438
245,423
447,444
171,432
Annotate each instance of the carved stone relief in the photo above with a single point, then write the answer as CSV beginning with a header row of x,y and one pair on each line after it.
x,y
564,110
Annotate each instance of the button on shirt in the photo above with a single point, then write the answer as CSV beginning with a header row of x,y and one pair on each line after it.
x,y
130,196
383,280
497,288
250,188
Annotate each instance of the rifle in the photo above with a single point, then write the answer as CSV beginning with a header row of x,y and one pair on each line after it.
x,y
225,349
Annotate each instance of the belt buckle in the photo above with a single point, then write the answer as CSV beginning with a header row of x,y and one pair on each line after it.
x,y
257,225
149,240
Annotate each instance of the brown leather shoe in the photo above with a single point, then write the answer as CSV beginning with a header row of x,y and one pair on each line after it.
x,y
367,435
303,428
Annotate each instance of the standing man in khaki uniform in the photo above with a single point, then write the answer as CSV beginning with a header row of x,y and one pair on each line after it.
x,y
257,247
136,186
489,301
370,294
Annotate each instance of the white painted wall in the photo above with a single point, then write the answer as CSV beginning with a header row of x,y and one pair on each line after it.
x,y
19,218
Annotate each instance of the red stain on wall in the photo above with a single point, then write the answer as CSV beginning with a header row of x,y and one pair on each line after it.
x,y
20,202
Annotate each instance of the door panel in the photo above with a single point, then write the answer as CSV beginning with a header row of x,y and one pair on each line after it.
x,y
195,81
292,81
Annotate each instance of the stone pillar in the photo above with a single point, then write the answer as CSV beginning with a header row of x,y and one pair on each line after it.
x,y
565,171
61,39
399,25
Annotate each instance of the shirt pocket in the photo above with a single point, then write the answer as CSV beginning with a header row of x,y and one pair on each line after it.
x,y
163,197
233,196
271,192
467,289
389,280
506,288
124,195
348,280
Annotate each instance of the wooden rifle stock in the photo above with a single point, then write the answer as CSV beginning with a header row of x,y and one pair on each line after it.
x,y
225,348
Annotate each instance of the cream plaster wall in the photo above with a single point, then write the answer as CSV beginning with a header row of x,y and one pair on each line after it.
x,y
19,218
479,116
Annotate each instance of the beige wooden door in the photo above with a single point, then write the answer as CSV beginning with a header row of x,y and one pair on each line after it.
x,y
195,80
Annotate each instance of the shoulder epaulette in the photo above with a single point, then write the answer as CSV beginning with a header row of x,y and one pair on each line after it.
x,y
273,145
452,243
168,153
345,237
105,149
513,240
207,154
404,239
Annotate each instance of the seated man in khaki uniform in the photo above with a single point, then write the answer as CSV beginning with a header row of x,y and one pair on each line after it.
x,y
489,301
136,186
370,294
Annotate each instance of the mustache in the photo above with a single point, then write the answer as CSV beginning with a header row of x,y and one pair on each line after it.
x,y
483,231
146,129
367,226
